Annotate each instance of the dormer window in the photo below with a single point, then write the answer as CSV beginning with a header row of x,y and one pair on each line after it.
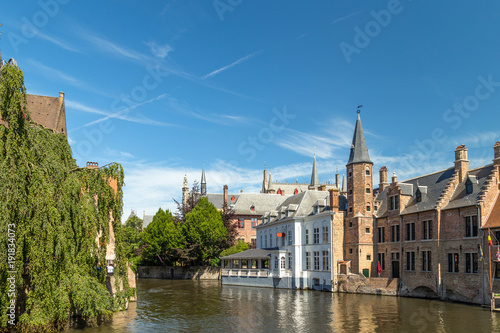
x,y
233,198
468,186
418,195
252,208
279,191
296,191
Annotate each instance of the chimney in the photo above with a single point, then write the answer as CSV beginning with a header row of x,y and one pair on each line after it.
x,y
282,193
383,179
322,188
334,200
92,165
225,196
394,178
496,149
461,162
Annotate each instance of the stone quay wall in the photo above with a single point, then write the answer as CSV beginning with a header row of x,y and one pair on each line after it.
x,y
179,273
359,284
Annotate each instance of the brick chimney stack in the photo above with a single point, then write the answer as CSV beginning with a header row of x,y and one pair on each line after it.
x,y
394,178
461,162
225,197
334,200
383,179
496,149
92,165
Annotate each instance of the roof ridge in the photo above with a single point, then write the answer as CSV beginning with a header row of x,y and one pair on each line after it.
x,y
432,173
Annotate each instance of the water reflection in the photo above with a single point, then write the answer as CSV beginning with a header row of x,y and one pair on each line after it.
x,y
205,306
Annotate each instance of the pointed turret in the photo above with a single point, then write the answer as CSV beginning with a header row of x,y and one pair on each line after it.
x,y
359,152
270,188
314,175
203,182
344,184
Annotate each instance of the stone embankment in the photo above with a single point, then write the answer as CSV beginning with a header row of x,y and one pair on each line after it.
x,y
179,273
358,284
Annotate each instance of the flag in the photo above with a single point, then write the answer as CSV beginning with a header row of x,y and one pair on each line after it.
x,y
379,269
489,240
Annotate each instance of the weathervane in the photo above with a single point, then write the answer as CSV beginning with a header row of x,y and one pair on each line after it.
x,y
359,107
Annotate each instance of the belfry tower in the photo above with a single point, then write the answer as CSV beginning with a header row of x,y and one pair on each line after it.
x,y
359,224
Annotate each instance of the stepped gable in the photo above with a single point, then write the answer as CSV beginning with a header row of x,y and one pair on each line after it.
x,y
479,177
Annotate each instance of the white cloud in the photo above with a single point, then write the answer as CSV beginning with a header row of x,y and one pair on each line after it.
x,y
160,51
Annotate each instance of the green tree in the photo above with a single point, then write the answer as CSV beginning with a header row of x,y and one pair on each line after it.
x,y
162,240
205,232
240,246
131,233
51,212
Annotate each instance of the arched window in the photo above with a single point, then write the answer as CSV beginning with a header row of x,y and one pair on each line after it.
x,y
283,263
367,171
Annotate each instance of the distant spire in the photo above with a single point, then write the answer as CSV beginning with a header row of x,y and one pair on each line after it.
x,y
270,184
359,151
264,180
314,175
203,182
344,184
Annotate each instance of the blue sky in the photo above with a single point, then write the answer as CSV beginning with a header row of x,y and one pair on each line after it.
x,y
165,86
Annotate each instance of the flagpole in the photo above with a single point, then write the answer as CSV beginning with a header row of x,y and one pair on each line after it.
x,y
489,264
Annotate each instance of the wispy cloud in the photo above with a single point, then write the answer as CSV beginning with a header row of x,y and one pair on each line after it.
x,y
54,73
160,51
346,17
62,44
327,139
113,48
237,62
122,115
116,153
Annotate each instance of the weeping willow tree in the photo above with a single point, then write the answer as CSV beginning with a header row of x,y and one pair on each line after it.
x,y
52,211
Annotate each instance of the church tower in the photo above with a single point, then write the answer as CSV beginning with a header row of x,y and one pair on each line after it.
x,y
203,188
359,233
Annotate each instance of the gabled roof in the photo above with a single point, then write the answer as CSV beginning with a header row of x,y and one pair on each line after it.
x,y
359,151
47,111
260,202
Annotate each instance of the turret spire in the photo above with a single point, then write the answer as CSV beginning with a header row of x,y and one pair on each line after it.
x,y
203,182
314,175
359,151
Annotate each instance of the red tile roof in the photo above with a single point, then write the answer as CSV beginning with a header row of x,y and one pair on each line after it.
x,y
47,111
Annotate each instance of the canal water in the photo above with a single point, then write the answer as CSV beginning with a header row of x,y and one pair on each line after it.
x,y
206,306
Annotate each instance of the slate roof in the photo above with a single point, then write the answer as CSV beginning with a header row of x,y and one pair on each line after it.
x,y
46,111
359,151
432,186
460,198
250,254
260,201
242,205
303,204
436,183
218,199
